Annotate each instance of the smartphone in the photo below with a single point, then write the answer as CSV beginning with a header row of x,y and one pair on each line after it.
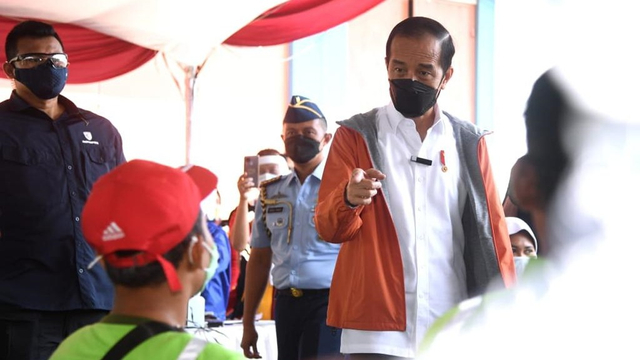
x,y
252,168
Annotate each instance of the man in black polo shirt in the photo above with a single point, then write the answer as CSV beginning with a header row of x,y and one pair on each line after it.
x,y
51,153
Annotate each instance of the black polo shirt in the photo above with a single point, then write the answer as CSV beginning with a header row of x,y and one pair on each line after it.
x,y
47,169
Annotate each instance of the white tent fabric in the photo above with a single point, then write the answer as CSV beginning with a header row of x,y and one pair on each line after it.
x,y
186,31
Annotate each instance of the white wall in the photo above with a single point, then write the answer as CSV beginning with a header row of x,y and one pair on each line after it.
x,y
524,49
532,36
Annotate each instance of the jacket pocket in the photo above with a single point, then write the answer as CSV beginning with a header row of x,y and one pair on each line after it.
x,y
30,178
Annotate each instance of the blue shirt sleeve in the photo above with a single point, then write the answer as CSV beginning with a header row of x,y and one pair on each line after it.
x,y
222,242
216,292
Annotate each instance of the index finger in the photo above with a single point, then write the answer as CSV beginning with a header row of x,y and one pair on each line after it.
x,y
375,174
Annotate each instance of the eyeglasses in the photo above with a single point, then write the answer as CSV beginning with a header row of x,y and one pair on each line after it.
x,y
27,61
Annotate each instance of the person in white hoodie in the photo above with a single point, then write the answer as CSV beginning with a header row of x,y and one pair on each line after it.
x,y
584,153
523,243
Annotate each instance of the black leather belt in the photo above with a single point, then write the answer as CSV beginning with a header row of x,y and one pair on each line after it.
x,y
295,292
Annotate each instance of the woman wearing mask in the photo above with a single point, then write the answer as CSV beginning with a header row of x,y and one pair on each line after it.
x,y
523,242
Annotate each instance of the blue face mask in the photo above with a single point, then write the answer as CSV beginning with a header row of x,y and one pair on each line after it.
x,y
44,80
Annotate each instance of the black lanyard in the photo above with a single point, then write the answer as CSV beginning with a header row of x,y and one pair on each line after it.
x,y
136,337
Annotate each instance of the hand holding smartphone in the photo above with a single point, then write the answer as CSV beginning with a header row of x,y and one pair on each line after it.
x,y
252,168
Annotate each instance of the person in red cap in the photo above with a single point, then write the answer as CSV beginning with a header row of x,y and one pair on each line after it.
x,y
145,222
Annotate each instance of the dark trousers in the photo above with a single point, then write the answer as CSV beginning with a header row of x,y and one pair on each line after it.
x,y
34,335
301,327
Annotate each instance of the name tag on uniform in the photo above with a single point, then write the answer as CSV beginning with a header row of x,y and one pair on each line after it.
x,y
275,210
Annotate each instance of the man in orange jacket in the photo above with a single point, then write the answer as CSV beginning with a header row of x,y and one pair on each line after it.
x,y
436,234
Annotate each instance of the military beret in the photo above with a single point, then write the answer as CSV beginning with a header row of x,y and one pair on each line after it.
x,y
302,109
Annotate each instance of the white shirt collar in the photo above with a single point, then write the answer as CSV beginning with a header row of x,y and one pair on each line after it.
x,y
395,118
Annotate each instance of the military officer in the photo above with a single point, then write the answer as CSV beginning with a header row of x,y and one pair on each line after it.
x,y
284,234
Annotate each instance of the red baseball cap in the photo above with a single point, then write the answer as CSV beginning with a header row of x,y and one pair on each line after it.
x,y
147,207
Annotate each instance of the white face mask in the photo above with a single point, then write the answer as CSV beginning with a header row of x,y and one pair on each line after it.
x,y
210,270
521,262
265,177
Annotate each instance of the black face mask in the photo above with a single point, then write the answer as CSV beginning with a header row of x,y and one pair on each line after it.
x,y
44,81
412,98
301,149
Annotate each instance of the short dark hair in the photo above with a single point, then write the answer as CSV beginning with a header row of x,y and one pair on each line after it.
x,y
30,28
152,273
547,109
265,152
416,27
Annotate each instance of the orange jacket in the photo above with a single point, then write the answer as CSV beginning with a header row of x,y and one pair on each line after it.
x,y
367,290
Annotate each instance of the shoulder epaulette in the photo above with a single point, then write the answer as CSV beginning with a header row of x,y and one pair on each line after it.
x,y
263,199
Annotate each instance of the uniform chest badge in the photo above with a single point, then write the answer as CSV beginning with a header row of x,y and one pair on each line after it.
x,y
275,210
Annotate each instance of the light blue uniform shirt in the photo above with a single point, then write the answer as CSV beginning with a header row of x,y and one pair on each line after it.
x,y
306,261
